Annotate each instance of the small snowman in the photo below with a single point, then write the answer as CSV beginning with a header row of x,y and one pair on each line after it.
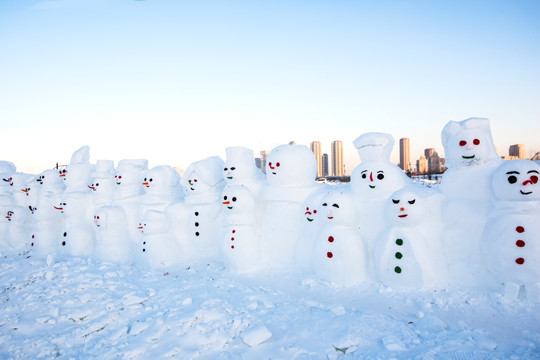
x,y
403,257
18,230
158,248
112,239
471,159
162,187
290,173
241,241
240,169
339,254
78,235
511,238
373,181
103,183
203,182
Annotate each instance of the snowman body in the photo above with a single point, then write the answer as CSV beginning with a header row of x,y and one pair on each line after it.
x,y
18,231
78,236
48,222
112,239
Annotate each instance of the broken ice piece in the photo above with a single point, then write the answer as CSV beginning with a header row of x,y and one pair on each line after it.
x,y
256,336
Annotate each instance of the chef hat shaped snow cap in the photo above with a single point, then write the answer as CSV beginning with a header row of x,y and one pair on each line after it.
x,y
132,165
81,156
7,167
239,154
374,147
104,169
209,170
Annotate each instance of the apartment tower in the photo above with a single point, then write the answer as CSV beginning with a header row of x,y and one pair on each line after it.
x,y
404,154
338,166
316,148
517,150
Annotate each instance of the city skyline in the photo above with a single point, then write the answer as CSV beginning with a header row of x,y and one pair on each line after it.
x,y
176,82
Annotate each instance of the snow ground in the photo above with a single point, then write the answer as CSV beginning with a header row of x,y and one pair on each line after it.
x,y
87,309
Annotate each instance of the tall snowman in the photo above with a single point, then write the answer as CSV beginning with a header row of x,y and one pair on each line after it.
x,y
403,256
241,240
112,238
102,183
161,187
290,173
471,159
339,253
240,169
203,182
78,173
373,181
511,238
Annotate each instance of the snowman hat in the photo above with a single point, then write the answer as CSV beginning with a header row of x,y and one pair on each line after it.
x,y
81,156
240,154
209,170
374,147
7,167
132,165
452,128
104,169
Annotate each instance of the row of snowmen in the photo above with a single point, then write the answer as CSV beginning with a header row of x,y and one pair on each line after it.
x,y
479,228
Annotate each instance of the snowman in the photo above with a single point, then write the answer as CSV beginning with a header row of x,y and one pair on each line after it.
x,y
6,204
290,173
158,248
373,181
511,238
339,254
77,174
129,191
112,239
102,183
241,241
18,235
24,190
471,159
403,257
78,235
162,187
240,169
203,182
7,169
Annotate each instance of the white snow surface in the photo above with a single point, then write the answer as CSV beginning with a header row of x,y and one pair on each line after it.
x,y
83,308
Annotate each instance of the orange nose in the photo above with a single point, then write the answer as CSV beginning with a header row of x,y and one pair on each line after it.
x,y
226,202
402,209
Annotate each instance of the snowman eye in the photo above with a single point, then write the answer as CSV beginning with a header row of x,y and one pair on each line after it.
x,y
233,168
512,179
476,142
325,204
277,164
462,143
395,201
97,184
225,169
380,176
234,199
335,205
150,179
364,176
412,201
307,209
225,198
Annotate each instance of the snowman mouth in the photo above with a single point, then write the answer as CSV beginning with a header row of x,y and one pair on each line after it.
x,y
192,189
274,173
330,217
402,216
468,157
229,207
525,193
310,220
372,186
118,183
229,177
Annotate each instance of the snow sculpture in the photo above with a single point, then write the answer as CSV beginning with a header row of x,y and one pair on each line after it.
x,y
241,243
112,239
471,159
18,229
339,254
6,204
24,191
162,187
158,248
78,237
7,169
77,174
240,169
103,183
202,182
403,256
129,190
373,181
511,238
290,173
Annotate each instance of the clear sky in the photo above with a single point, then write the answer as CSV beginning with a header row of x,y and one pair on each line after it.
x,y
175,81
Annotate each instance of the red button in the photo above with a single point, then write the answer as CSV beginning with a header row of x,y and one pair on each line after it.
x,y
331,239
329,255
520,243
520,261
520,229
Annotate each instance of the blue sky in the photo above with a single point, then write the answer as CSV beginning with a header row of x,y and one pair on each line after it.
x,y
177,81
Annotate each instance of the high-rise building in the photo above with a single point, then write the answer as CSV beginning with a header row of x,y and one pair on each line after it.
x,y
517,150
429,152
434,164
325,165
338,166
316,148
422,165
404,154
264,156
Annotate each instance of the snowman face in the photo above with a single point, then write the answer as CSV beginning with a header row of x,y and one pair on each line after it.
x,y
60,207
237,198
98,220
517,180
7,180
234,172
128,178
405,208
160,177
468,148
48,178
291,165
9,214
376,180
154,222
338,209
196,186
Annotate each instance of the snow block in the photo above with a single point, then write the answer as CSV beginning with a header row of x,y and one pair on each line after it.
x,y
256,335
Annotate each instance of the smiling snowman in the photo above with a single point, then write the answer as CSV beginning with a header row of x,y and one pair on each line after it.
x,y
511,238
240,169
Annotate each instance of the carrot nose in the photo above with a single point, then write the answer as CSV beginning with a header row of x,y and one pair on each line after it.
x,y
226,202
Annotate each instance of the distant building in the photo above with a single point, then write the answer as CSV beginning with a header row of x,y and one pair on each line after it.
x,y
429,152
404,154
517,150
434,164
325,165
422,165
316,148
338,166
262,160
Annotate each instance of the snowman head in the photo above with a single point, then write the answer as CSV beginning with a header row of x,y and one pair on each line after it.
x,y
154,222
18,215
237,199
291,165
338,209
49,179
376,177
468,143
405,208
239,165
517,180
109,217
203,176
161,178
312,207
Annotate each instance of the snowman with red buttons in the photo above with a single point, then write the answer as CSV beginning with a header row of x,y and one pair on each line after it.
x,y
339,253
511,238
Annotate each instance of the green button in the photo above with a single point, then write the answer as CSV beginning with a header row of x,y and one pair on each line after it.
x,y
397,269
399,242
399,255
